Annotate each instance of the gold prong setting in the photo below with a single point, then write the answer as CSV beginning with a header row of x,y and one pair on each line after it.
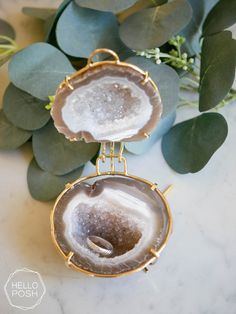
x,y
68,185
167,189
146,78
67,83
68,259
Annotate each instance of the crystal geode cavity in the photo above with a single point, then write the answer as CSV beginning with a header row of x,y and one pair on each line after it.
x,y
107,102
125,211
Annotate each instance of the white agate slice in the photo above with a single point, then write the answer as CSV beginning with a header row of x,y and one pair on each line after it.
x,y
131,213
122,211
107,103
112,108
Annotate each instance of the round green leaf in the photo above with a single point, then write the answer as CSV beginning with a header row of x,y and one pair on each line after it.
x,y
138,6
189,145
79,31
94,159
50,23
153,27
57,155
6,29
44,186
222,16
218,61
23,110
11,137
39,13
163,126
106,5
192,32
165,78
38,69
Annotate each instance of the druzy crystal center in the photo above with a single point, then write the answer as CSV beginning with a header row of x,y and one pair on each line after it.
x,y
123,211
108,102
106,105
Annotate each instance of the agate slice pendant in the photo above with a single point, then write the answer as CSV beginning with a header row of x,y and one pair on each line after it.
x,y
109,223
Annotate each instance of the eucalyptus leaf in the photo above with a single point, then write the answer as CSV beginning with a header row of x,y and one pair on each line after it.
x,y
79,31
163,126
51,22
193,31
44,186
166,79
217,72
222,16
11,137
94,159
23,110
57,155
189,145
49,30
6,29
39,13
106,5
38,69
153,27
138,6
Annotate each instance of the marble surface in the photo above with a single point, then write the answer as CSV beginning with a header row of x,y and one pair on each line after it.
x,y
196,273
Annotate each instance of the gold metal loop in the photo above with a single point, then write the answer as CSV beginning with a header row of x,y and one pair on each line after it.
x,y
103,50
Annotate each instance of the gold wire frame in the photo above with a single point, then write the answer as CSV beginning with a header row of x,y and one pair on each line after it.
x,y
120,159
91,64
114,157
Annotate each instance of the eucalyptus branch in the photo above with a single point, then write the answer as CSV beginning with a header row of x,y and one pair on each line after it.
x,y
51,102
186,102
231,97
175,57
179,60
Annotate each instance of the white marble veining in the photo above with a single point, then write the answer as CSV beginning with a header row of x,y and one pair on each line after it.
x,y
196,273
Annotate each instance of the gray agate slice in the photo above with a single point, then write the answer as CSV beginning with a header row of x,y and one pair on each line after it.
x,y
121,210
109,102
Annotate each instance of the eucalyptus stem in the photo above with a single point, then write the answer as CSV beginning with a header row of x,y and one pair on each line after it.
x,y
174,57
196,76
231,97
8,47
195,83
8,39
187,103
189,88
